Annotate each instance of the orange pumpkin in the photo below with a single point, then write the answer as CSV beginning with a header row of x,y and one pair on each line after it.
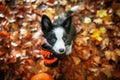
x,y
42,76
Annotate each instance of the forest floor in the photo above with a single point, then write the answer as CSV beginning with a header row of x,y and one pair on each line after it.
x,y
96,50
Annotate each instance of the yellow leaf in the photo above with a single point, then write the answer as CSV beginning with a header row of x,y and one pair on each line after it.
x,y
96,35
51,10
102,30
101,13
118,12
50,13
107,18
99,38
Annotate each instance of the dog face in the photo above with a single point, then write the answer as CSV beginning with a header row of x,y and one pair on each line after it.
x,y
56,34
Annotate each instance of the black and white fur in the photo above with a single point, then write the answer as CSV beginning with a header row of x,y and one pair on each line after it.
x,y
58,35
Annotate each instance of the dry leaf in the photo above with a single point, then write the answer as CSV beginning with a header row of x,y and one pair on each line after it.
x,y
98,21
111,55
4,34
97,35
118,12
117,52
87,20
97,59
101,13
103,30
95,54
105,43
76,60
107,70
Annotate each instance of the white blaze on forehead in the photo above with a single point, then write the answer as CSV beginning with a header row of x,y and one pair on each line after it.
x,y
59,32
60,44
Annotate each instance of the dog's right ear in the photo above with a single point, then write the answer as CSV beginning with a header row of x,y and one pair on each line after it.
x,y
46,24
67,23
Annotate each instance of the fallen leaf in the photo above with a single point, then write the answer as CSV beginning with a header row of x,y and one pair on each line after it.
x,y
90,78
4,34
76,60
30,61
107,18
103,30
117,51
110,55
107,70
97,35
87,20
98,21
12,60
28,36
97,59
51,1
105,43
7,26
101,13
118,12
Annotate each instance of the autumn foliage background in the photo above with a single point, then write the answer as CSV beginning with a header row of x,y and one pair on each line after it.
x,y
96,50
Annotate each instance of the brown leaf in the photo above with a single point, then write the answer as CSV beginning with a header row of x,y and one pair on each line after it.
x,y
2,51
105,43
107,70
2,7
76,60
111,55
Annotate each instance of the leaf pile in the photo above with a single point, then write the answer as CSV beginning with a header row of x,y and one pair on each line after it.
x,y
96,49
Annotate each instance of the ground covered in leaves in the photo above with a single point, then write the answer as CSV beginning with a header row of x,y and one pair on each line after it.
x,y
96,50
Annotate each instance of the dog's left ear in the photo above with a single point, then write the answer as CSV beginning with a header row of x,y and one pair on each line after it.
x,y
46,24
67,23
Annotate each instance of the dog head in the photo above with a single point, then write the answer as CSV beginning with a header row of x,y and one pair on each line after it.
x,y
56,33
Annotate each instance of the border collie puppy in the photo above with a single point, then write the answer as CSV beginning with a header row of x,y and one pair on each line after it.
x,y
58,35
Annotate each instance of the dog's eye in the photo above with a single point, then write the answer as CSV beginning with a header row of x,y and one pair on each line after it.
x,y
53,40
64,38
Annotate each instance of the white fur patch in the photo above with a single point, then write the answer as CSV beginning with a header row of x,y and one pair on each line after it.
x,y
69,49
60,44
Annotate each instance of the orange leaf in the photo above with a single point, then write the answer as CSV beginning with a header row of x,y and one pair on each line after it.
x,y
6,26
28,36
2,7
89,63
2,51
4,34
12,60
30,61
51,1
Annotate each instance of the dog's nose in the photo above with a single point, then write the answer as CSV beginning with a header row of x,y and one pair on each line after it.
x,y
61,50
